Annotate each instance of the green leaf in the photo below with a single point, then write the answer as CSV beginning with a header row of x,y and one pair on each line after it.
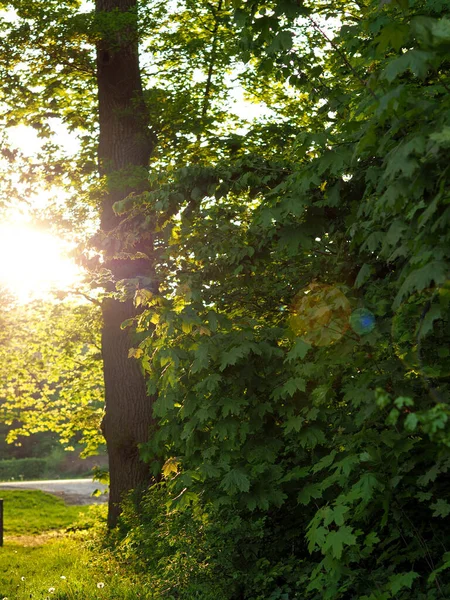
x,y
295,474
213,321
401,580
240,17
311,437
201,360
324,462
293,385
417,61
371,539
127,323
197,193
393,35
444,567
364,275
420,279
440,30
337,539
411,422
235,481
282,41
184,499
336,515
294,424
366,486
424,496
209,470
426,325
442,137
429,475
402,401
316,537
163,405
392,417
313,490
441,508
232,356
298,350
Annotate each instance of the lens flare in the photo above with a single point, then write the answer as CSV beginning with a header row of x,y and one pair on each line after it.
x,y
320,314
362,321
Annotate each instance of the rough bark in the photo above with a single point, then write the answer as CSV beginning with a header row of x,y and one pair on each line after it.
x,y
124,144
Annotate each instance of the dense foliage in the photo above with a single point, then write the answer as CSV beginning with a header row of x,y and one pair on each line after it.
x,y
299,346
50,372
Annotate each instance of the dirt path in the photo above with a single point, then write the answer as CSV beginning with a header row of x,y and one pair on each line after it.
x,y
72,491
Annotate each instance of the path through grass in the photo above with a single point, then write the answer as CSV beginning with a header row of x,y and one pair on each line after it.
x,y
42,560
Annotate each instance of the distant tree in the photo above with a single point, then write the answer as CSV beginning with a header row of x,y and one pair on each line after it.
x,y
51,372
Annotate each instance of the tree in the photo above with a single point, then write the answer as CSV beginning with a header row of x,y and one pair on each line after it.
x,y
51,372
127,139
125,145
127,120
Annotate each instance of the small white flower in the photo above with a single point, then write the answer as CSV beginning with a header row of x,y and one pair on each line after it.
x,y
63,577
51,590
100,584
22,579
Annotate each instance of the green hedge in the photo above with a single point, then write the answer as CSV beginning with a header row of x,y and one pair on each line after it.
x,y
23,468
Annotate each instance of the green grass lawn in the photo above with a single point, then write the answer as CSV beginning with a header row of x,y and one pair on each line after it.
x,y
39,560
30,512
65,569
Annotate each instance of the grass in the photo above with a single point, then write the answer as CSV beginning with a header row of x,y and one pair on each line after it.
x,y
31,512
40,561
65,569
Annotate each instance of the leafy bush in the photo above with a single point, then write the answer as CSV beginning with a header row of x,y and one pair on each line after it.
x,y
23,469
209,553
59,464
300,357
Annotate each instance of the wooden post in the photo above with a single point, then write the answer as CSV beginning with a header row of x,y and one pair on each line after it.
x,y
1,522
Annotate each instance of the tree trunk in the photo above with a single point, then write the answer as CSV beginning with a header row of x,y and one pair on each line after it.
x,y
125,145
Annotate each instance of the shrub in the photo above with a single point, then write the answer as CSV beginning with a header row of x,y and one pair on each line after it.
x,y
23,468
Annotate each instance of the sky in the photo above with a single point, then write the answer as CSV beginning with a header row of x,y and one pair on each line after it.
x,y
35,262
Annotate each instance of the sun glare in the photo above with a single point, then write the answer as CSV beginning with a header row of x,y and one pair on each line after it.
x,y
33,262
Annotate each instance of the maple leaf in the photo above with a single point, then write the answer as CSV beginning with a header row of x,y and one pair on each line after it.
x,y
337,539
401,580
235,480
441,508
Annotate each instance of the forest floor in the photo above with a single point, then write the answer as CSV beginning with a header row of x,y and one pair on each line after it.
x,y
49,552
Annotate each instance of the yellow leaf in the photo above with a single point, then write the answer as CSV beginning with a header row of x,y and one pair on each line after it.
x,y
135,352
170,466
204,330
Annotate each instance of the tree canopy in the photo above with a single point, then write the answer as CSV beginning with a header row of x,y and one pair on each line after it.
x,y
51,373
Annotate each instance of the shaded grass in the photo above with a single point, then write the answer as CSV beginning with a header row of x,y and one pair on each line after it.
x,y
32,512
